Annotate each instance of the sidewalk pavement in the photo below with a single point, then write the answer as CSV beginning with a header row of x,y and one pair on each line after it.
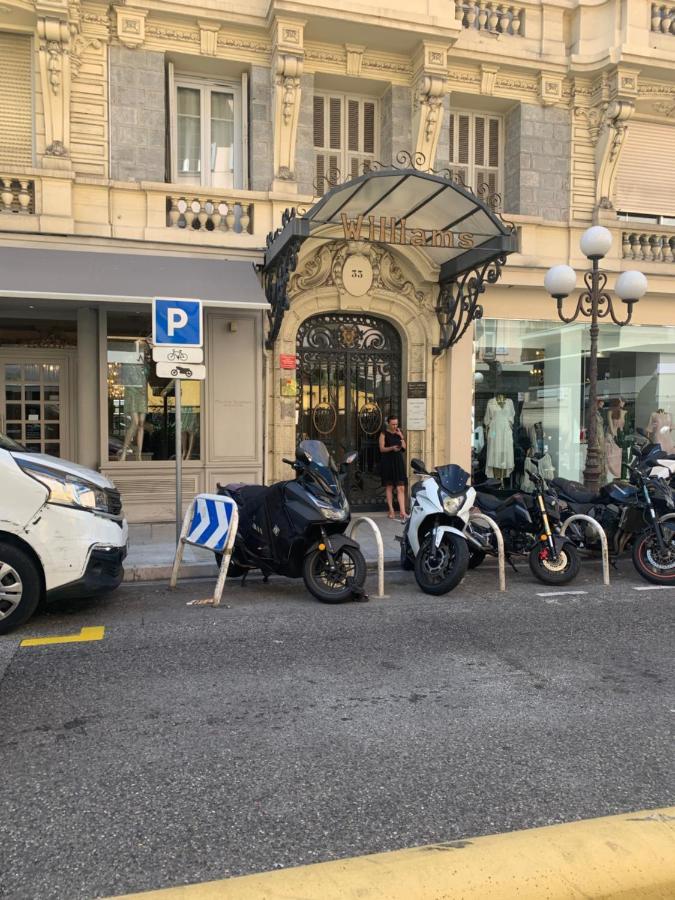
x,y
152,548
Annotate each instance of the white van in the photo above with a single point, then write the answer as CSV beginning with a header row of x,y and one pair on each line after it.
x,y
62,532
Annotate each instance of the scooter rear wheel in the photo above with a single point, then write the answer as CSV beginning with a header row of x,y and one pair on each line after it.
x,y
334,587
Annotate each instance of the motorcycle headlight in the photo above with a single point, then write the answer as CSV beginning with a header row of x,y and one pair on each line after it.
x,y
452,505
334,515
68,490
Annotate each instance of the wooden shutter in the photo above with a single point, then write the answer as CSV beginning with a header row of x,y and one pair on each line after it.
x,y
645,181
327,139
460,125
16,102
487,152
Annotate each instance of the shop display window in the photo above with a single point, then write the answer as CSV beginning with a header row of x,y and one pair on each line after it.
x,y
141,407
531,391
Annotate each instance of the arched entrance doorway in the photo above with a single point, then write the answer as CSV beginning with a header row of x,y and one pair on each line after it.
x,y
349,381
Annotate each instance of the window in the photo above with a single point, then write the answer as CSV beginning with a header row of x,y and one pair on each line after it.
x,y
476,149
141,407
345,138
207,134
534,376
16,102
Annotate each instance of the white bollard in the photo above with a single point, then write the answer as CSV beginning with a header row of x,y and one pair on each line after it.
x,y
353,526
580,517
501,556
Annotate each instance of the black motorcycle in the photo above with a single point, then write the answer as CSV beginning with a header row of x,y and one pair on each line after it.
x,y
530,525
296,528
630,513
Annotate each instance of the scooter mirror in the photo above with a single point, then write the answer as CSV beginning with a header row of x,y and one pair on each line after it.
x,y
418,467
301,456
350,458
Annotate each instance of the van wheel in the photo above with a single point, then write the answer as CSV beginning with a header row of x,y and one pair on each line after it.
x,y
20,587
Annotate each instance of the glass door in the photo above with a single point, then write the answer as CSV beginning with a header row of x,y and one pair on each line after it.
x,y
33,403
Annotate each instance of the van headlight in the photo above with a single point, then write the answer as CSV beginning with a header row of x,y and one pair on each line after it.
x,y
452,505
67,490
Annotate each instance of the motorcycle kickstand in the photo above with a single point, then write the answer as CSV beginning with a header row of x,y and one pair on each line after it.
x,y
510,561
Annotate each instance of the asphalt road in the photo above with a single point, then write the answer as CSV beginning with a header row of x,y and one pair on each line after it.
x,y
192,744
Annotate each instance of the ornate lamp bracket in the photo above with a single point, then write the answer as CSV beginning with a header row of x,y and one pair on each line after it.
x,y
605,304
458,298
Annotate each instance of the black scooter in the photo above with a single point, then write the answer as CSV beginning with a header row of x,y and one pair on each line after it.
x,y
296,528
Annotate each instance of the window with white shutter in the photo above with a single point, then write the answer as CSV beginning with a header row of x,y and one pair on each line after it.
x,y
16,102
345,138
476,149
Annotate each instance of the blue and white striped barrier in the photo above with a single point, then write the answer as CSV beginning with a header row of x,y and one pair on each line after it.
x,y
211,521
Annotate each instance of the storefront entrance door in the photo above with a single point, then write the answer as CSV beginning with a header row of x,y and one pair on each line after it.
x,y
349,381
34,400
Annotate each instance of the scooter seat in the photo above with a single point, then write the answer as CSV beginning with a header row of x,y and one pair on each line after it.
x,y
573,490
416,488
495,504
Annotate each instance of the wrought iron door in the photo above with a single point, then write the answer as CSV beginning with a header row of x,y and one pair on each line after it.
x,y
349,381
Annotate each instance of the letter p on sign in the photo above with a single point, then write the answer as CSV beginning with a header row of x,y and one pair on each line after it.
x,y
177,323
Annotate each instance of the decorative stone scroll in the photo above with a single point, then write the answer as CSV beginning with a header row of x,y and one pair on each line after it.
x,y
287,66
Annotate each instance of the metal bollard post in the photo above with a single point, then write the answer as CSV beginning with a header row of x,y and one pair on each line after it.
x,y
353,526
580,517
501,557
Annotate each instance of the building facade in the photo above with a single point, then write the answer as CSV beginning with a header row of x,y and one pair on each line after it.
x,y
149,148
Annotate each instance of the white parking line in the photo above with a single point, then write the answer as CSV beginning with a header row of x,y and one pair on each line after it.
x,y
656,587
560,593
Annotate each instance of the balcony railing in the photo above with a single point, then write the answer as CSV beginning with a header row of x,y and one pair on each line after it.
x,y
17,196
648,247
495,18
201,214
663,19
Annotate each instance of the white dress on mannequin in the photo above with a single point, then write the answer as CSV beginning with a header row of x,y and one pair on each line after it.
x,y
499,419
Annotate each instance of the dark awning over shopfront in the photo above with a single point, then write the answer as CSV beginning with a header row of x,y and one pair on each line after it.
x,y
34,272
459,232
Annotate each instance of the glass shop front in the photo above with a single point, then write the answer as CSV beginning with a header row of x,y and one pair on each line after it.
x,y
531,393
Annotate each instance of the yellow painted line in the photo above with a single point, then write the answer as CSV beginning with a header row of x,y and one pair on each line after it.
x,y
86,634
627,856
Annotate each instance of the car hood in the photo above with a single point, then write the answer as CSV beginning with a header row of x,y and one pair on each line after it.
x,y
70,468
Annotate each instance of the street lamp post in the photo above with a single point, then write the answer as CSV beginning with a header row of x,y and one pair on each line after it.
x,y
594,303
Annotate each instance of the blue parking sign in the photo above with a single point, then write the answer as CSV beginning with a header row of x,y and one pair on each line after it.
x,y
177,323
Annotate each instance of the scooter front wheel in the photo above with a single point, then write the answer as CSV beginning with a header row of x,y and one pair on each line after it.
x,y
440,569
334,586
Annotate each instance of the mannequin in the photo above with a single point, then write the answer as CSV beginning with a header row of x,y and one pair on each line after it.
x,y
499,418
659,420
135,383
616,422
190,426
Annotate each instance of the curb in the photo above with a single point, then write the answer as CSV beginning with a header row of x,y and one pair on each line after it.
x,y
139,574
626,856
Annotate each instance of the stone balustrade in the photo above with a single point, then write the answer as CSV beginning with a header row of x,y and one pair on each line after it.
x,y
17,196
663,19
201,214
495,18
648,247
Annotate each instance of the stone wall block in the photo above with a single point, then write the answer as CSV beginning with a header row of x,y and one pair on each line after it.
x,y
261,135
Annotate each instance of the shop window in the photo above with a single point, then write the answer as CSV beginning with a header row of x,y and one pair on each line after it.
x,y
141,407
531,390
206,133
476,149
345,137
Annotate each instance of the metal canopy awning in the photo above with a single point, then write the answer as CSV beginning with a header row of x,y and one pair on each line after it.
x,y
85,275
457,231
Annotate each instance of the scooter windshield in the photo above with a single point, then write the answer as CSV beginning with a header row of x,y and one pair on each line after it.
x,y
321,466
453,478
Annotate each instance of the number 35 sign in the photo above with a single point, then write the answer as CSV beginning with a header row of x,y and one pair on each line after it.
x,y
357,274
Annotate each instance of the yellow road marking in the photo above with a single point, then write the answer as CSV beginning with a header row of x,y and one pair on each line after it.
x,y
630,855
86,634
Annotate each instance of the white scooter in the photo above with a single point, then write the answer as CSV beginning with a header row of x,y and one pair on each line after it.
x,y
433,541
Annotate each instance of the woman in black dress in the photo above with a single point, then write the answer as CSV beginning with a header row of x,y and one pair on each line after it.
x,y
392,465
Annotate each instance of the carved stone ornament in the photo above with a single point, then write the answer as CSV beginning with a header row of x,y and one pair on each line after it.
x,y
287,72
131,25
607,128
354,59
429,115
550,89
488,79
208,37
54,41
323,268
